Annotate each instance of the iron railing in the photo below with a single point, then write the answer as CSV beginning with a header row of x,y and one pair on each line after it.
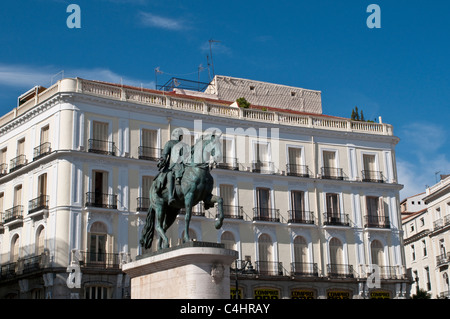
x,y
41,150
372,176
332,173
149,153
99,260
302,269
95,199
14,213
266,214
269,268
228,163
377,222
340,271
102,147
38,203
143,203
196,211
297,170
233,212
8,270
263,167
17,162
442,259
301,217
336,219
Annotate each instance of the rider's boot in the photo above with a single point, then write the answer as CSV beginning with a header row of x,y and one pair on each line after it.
x,y
170,188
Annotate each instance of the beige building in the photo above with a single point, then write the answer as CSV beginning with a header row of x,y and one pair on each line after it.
x,y
426,237
311,200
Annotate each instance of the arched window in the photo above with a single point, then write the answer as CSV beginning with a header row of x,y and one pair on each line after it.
x,y
40,241
377,253
336,252
265,250
300,250
227,238
14,252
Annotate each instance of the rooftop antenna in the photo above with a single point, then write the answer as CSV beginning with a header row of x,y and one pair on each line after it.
x,y
209,73
211,41
200,69
156,77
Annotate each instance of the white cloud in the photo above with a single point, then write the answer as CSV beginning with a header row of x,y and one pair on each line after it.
x,y
152,20
26,76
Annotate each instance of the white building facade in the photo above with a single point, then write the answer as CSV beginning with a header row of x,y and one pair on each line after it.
x,y
311,201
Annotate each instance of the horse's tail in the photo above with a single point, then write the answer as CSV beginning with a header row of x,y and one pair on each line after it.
x,y
149,229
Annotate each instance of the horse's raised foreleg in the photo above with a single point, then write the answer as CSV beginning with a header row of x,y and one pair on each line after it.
x,y
210,201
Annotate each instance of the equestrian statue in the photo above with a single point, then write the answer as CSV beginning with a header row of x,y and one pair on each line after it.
x,y
184,179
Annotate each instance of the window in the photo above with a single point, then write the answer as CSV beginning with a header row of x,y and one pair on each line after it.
x,y
14,252
18,195
44,134
99,195
40,241
332,201
336,257
422,222
3,163
424,246
375,212
413,252
227,194
42,185
96,292
149,145
294,166
263,202
427,275
97,246
99,143
2,197
300,250
227,238
21,147
377,253
265,250
369,173
329,159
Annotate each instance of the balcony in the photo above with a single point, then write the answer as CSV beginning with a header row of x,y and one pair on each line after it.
x,y
41,150
228,163
232,212
13,214
149,153
443,259
3,169
301,217
299,269
340,271
266,214
372,176
97,260
94,199
143,203
332,173
336,219
269,268
263,167
197,210
102,147
441,222
387,272
38,203
297,170
17,163
376,222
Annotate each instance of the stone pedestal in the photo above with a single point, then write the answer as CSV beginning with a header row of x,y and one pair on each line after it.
x,y
195,270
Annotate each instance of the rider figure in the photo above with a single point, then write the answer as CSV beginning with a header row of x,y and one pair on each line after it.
x,y
172,162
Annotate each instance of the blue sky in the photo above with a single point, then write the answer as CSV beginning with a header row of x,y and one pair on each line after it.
x,y
400,72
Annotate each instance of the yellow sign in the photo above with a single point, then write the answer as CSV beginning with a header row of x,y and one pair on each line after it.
x,y
380,295
303,294
264,293
337,294
233,293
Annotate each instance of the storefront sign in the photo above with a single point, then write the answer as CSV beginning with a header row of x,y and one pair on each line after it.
x,y
380,294
233,293
338,294
303,294
264,293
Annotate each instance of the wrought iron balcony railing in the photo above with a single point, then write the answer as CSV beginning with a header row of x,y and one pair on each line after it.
x,y
377,222
38,203
336,219
149,153
263,167
373,176
102,147
228,163
442,259
297,170
42,150
143,203
196,211
99,260
332,173
301,269
95,199
269,268
17,162
266,214
340,271
301,217
14,213
233,212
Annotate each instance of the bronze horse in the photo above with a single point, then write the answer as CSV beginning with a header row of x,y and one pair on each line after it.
x,y
196,185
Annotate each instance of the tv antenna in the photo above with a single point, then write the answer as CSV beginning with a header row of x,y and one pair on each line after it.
x,y
211,41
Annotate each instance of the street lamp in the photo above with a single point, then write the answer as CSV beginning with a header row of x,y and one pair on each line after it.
x,y
246,268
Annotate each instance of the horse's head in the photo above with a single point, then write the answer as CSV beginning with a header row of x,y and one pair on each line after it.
x,y
208,149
